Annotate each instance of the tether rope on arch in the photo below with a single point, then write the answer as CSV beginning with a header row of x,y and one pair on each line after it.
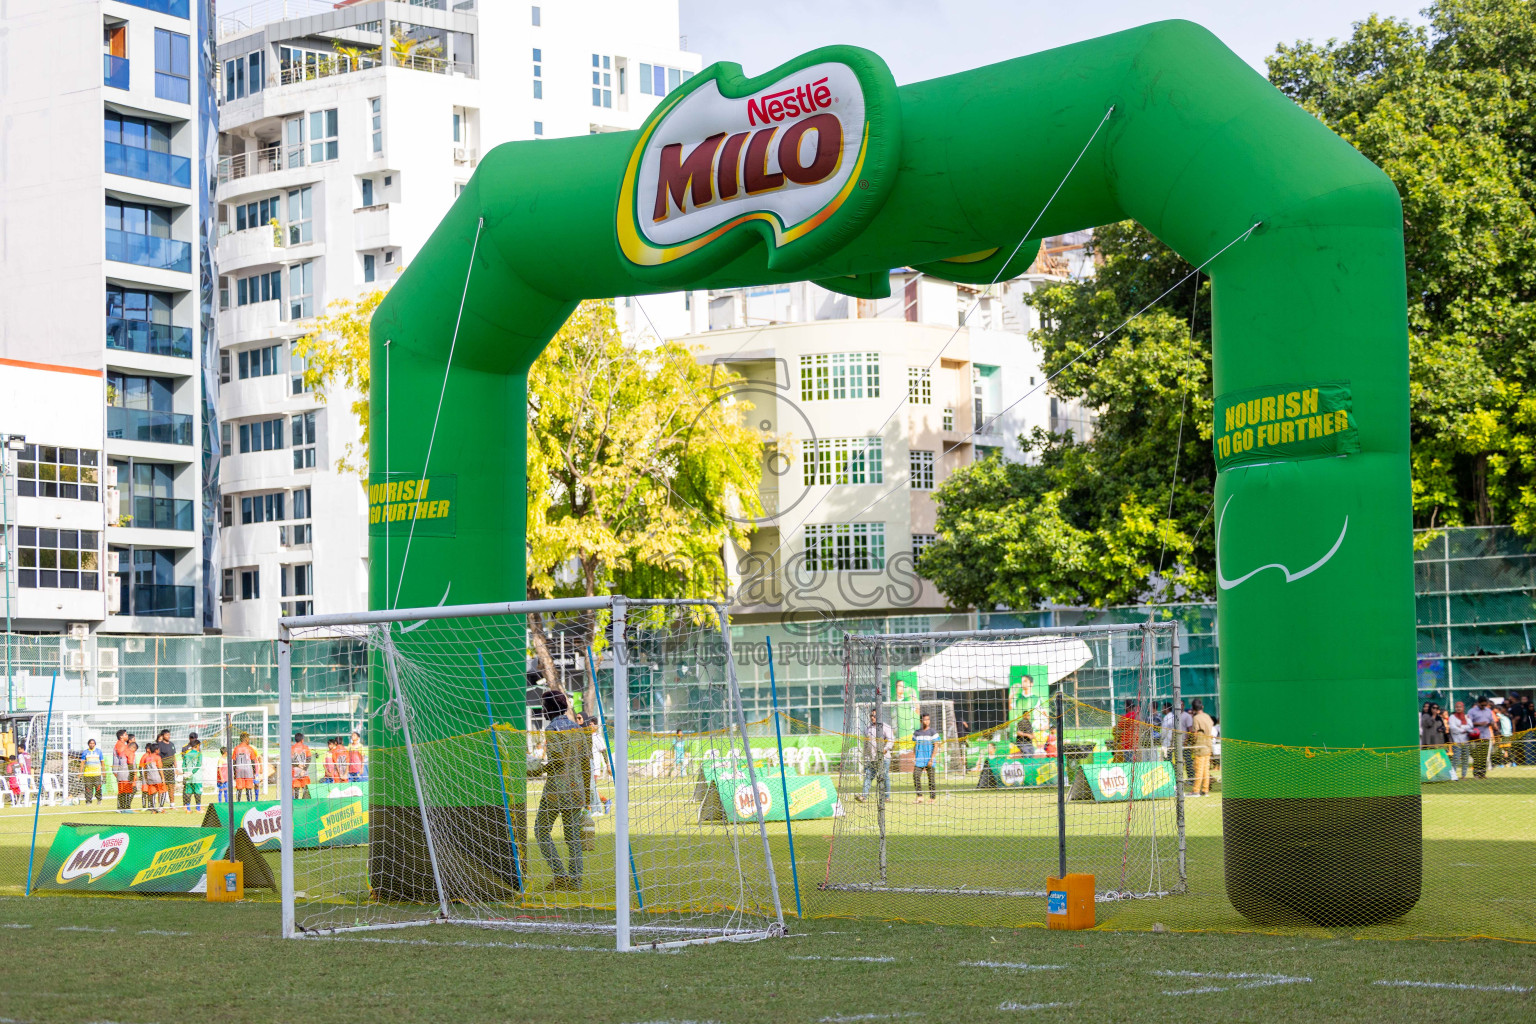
x,y
431,438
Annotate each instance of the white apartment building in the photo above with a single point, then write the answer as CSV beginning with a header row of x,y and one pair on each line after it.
x,y
338,156
874,403
106,115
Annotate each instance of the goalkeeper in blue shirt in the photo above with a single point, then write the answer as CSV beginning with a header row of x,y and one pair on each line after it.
x,y
924,742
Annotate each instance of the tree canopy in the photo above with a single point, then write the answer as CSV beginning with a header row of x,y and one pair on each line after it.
x,y
1445,109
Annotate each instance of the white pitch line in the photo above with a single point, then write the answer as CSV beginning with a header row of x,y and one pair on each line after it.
x,y
465,944
1249,980
848,1018
13,924
157,931
1033,1006
1455,985
851,959
83,928
1012,967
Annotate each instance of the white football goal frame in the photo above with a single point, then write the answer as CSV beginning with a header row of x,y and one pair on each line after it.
x,y
754,919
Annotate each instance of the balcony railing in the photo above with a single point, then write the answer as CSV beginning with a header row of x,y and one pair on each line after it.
x,y
149,338
148,425
149,251
148,165
327,67
242,165
161,514
114,71
175,8
161,599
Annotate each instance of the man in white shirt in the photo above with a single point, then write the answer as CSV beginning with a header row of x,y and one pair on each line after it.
x,y
1461,729
1481,718
878,740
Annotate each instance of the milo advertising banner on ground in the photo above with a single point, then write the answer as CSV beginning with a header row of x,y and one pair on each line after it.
x,y
316,823
1435,766
1109,783
1013,772
144,858
810,796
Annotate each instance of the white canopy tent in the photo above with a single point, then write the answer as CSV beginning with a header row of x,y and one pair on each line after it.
x,y
985,666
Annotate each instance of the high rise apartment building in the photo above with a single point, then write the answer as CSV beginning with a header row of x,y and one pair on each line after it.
x,y
346,131
106,315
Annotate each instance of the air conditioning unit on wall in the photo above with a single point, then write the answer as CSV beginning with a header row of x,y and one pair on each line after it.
x,y
106,689
106,659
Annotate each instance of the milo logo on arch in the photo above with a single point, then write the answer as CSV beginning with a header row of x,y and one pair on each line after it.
x,y
264,825
743,800
94,857
1113,782
800,157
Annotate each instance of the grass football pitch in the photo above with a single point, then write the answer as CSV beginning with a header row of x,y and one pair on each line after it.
x,y
152,960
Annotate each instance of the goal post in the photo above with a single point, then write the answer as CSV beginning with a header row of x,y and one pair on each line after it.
x,y
1065,757
438,829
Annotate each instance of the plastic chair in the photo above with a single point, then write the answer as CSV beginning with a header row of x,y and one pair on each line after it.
x,y
53,790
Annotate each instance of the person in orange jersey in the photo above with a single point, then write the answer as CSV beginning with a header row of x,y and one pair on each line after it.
x,y
300,753
153,776
246,763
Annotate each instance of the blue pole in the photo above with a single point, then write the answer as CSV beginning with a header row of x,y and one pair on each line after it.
x,y
501,776
602,723
773,690
37,790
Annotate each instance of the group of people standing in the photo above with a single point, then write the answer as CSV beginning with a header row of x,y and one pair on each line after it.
x,y
1473,734
343,762
151,772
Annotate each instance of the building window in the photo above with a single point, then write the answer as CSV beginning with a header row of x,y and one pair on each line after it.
x,y
839,375
304,440
258,214
293,135
58,559
228,591
922,542
298,366
261,362
300,215
262,508
173,67
137,132
538,89
262,435
253,67
368,267
322,135
538,127
845,547
987,391
922,470
46,471
656,80
138,218
226,440
303,580
535,17
919,385
949,419
844,460
301,290
376,124
261,288
227,517
303,503
250,584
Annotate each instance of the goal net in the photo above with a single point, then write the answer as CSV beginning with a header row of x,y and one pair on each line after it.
x,y
1058,754
490,796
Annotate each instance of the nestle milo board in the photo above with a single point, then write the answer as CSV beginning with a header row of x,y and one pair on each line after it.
x,y
1142,780
316,823
144,858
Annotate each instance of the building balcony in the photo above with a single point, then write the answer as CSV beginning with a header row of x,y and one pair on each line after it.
x,y
146,513
243,165
149,338
175,8
149,251
148,165
252,322
370,226
114,71
161,599
253,247
148,425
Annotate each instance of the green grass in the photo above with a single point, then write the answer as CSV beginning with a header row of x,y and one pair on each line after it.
x,y
230,965
1480,837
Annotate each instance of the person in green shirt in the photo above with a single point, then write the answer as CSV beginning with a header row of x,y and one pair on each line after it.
x,y
192,773
906,708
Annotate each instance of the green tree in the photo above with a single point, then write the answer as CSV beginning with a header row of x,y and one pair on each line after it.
x,y
639,472
1446,110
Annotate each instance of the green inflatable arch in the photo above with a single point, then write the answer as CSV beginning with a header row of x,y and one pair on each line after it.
x,y
823,169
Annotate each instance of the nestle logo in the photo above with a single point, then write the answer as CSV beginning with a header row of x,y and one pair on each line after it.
x,y
773,107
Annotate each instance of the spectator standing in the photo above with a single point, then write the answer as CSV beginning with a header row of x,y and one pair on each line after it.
x,y
564,796
153,778
878,740
1481,717
1202,740
357,760
924,740
246,764
1460,727
679,755
122,772
222,774
1127,729
92,768
1438,732
12,781
167,751
299,754
192,773
1426,724
334,761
